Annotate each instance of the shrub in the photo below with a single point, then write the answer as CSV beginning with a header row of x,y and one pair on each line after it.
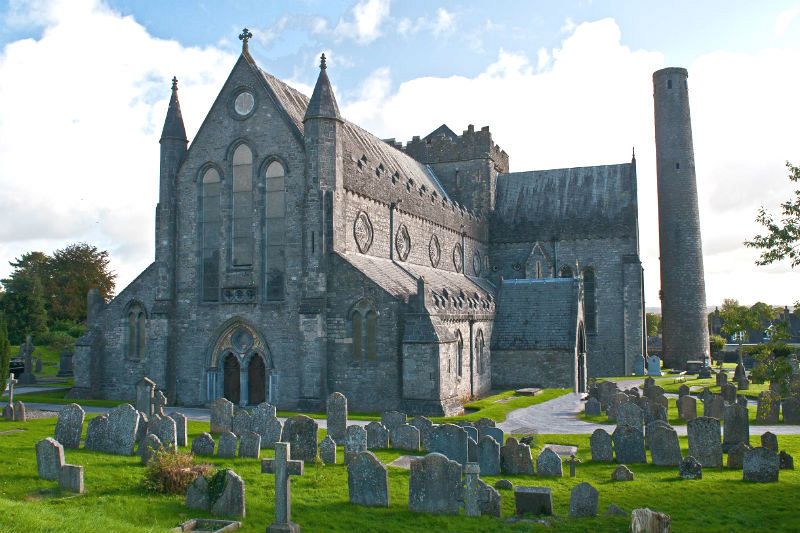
x,y
57,340
68,327
171,472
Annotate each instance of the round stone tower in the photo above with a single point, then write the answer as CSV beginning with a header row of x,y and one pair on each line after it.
x,y
684,322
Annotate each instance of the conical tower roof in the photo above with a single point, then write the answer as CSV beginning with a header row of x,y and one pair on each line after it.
x,y
173,124
323,102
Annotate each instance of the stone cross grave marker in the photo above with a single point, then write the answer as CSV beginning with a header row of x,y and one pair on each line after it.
x,y
11,382
573,462
283,467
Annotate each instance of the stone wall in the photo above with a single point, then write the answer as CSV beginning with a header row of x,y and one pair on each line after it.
x,y
535,368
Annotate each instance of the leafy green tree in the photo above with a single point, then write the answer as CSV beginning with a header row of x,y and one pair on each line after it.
x,y
738,319
653,322
782,238
23,306
717,343
71,272
5,351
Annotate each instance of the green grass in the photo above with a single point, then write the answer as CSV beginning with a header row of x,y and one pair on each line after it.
x,y
497,406
115,500
51,358
59,397
671,384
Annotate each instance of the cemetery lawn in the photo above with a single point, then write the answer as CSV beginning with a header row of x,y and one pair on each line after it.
x,y
672,415
671,385
115,500
59,397
51,356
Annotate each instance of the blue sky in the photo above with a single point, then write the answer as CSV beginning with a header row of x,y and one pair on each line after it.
x,y
559,83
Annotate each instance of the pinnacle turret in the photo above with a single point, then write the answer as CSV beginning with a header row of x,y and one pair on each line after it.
x,y
323,102
173,124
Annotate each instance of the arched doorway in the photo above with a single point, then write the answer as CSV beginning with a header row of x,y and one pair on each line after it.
x,y
256,378
231,379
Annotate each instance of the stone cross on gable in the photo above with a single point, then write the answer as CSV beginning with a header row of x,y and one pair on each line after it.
x,y
573,462
11,382
245,36
282,467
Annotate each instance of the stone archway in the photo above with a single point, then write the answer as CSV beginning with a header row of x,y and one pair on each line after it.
x,y
257,377
230,379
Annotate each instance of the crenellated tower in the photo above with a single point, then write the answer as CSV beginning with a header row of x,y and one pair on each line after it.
x,y
683,291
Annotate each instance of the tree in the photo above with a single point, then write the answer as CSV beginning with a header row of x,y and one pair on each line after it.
x,y
653,322
23,306
5,351
72,271
716,343
782,239
738,319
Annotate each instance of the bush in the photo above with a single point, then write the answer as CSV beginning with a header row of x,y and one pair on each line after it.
x,y
72,329
57,340
171,472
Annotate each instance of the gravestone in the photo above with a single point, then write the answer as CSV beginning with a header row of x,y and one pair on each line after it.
x,y
503,484
728,392
377,436
242,422
549,463
166,430
203,445
654,392
355,442
141,431
425,427
479,498
704,441
721,378
483,423
592,407
665,449
20,414
97,434
489,456
435,485
145,391
622,473
535,501
629,445
337,416
687,408
368,480
227,445
785,461
791,411
406,437
70,426
197,495
26,352
266,424
123,423
647,521
614,404
768,409
630,414
65,364
743,383
327,450
714,406
49,458
761,465
181,425
704,373
739,372
149,447
392,419
472,431
250,445
683,390
283,467
736,455
690,468
451,441
515,458
742,400
638,366
600,444
649,429
769,441
8,410
221,415
573,462
496,433
653,366
231,502
70,478
301,432
648,382
159,403
736,426
583,500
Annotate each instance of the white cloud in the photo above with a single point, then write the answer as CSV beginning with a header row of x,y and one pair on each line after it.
x,y
367,18
82,109
785,19
443,24
590,100
266,36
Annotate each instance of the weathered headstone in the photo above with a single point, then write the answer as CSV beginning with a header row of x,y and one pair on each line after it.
x,y
690,468
736,455
451,441
197,495
496,433
327,451
250,445
123,422
785,461
267,408
583,500
665,450
653,365
768,409
714,406
743,383
392,419
377,436
742,400
622,473
266,424
97,434
721,378
479,498
649,429
65,368
368,480
704,441
49,458
592,407
573,462
600,445
231,502
203,445
503,484
70,478
614,404
687,408
283,467
683,390
515,458
227,445
26,352
761,465
70,425
406,437
181,426
791,411
166,430
301,432
242,421
221,415
435,485
489,456
159,403
337,416
355,442
145,391
769,440
20,413
548,463
736,426
647,521
728,392
630,414
149,447
425,427
533,500
629,445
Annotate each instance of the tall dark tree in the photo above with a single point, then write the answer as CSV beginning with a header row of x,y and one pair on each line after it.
x,y
71,272
5,351
23,305
782,239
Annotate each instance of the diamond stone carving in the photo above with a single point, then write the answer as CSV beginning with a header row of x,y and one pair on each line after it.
x,y
458,258
476,263
402,242
434,251
362,232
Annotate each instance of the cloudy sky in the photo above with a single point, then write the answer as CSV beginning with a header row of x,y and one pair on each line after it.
x,y
84,87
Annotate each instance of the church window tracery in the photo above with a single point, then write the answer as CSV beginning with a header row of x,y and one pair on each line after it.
x,y
242,192
136,331
211,223
364,324
276,230
479,351
459,354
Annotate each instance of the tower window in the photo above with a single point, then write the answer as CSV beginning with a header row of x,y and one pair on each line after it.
x,y
136,332
211,223
242,206
677,166
669,84
364,324
276,231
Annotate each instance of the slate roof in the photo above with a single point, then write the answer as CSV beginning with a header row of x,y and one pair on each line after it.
x,y
566,203
537,314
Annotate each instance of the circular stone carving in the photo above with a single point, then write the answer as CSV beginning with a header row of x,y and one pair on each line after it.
x,y
402,242
458,259
362,232
434,251
242,340
476,263
244,103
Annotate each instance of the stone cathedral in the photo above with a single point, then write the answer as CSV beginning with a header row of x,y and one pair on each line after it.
x,y
297,254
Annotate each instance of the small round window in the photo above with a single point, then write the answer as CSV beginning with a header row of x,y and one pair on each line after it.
x,y
244,103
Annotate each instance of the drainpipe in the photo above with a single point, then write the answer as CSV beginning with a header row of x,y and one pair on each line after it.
x,y
555,258
471,357
463,251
